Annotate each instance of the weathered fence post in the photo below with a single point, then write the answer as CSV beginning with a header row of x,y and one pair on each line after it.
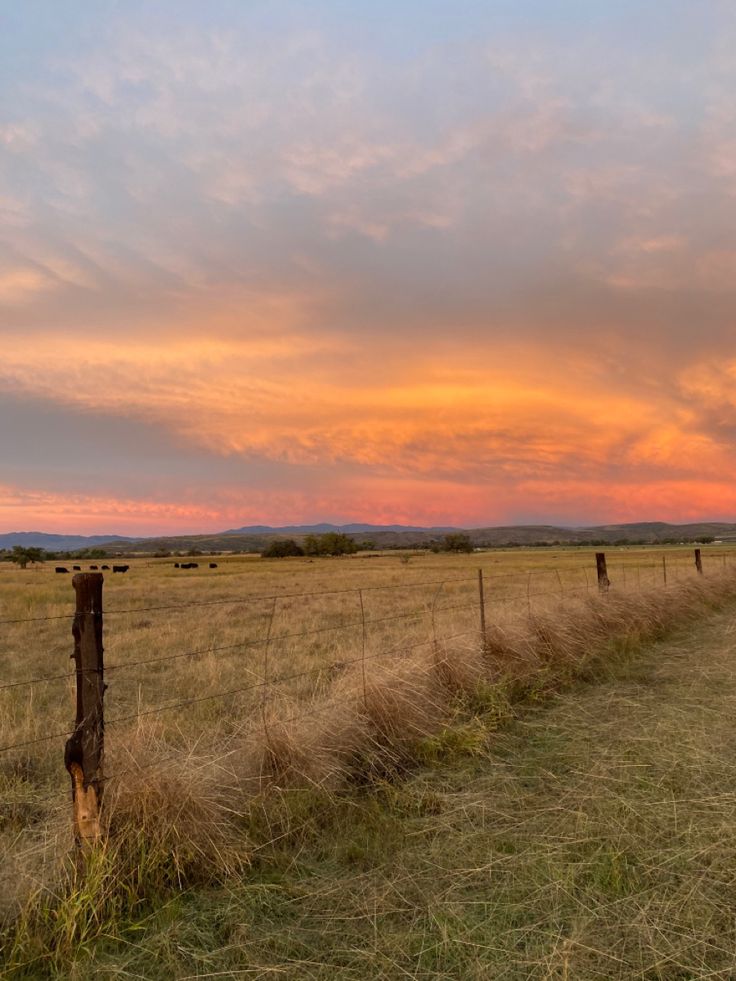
x,y
600,564
362,655
84,751
482,608
664,568
698,561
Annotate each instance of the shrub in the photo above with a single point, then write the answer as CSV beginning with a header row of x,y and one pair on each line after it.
x,y
331,543
457,542
282,548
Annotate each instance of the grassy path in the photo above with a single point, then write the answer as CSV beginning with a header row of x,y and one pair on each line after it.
x,y
594,836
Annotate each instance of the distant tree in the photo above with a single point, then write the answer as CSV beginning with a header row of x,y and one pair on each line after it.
x,y
87,553
331,543
705,540
457,542
282,548
22,556
195,551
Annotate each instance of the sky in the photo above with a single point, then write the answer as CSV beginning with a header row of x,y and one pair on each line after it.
x,y
422,262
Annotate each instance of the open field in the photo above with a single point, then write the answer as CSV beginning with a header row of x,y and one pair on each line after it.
x,y
197,712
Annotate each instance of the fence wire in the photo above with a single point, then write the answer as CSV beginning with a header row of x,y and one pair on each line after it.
x,y
673,569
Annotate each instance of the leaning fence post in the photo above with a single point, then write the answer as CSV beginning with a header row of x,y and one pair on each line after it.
x,y
482,608
698,561
600,564
84,751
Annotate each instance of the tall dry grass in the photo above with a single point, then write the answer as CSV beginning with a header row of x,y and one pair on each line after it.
x,y
185,808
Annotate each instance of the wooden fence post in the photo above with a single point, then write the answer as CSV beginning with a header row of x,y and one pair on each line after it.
x,y
482,607
600,564
664,568
698,561
84,751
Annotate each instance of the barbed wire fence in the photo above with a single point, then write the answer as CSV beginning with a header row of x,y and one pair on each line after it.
x,y
481,597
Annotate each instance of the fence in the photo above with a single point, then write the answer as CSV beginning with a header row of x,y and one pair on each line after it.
x,y
453,609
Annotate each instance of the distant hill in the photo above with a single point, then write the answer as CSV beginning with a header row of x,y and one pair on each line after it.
x,y
253,538
321,529
58,543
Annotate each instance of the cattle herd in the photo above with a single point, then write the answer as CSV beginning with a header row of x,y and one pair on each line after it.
x,y
124,568
93,568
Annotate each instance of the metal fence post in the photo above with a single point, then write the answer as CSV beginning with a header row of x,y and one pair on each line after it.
x,y
84,751
698,561
664,568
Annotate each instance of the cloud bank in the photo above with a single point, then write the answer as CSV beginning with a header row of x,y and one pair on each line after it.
x,y
264,264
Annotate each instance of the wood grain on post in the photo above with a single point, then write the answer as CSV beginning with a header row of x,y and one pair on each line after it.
x,y
698,561
84,752
600,564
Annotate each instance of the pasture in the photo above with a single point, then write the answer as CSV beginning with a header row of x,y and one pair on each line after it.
x,y
204,663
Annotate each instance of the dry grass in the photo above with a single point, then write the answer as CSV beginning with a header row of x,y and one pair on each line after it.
x,y
191,797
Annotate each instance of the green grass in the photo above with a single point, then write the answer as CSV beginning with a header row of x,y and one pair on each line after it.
x,y
585,834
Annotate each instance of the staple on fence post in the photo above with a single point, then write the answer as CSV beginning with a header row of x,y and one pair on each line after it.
x,y
600,564
664,568
482,608
698,561
84,750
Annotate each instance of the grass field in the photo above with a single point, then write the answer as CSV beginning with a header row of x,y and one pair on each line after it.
x,y
590,837
419,628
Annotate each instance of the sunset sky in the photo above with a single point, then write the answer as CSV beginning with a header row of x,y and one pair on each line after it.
x,y
425,262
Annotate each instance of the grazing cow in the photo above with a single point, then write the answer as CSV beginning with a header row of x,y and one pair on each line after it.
x,y
60,568
120,568
213,565
93,568
107,567
176,565
76,568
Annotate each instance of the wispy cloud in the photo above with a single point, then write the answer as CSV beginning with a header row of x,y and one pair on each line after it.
x,y
472,275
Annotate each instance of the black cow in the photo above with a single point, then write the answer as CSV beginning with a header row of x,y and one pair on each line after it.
x,y
60,568
120,568
213,565
176,565
106,567
93,568
76,568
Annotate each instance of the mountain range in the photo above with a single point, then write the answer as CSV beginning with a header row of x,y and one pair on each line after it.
x,y
251,538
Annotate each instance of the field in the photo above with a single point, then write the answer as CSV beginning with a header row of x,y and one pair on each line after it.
x,y
204,666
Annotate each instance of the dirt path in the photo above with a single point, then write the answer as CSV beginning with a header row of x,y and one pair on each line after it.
x,y
593,837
